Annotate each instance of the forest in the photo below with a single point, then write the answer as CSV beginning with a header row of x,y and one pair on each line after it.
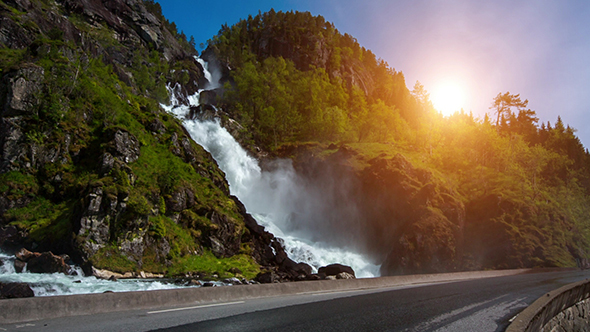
x,y
296,79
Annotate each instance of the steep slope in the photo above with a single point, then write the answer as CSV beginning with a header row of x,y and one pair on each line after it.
x,y
91,166
428,193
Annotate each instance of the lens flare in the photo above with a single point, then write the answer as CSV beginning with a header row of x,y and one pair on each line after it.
x,y
448,98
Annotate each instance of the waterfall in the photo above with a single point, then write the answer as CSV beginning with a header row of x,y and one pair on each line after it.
x,y
278,199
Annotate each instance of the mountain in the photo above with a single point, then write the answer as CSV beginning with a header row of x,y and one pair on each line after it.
x,y
429,193
91,165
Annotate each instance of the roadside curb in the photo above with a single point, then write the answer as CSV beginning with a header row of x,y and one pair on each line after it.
x,y
37,308
538,314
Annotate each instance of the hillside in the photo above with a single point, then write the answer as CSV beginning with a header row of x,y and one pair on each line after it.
x,y
431,193
92,167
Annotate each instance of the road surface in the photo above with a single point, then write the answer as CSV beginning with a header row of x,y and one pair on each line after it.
x,y
473,305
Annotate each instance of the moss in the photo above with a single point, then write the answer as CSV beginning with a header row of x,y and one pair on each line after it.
x,y
209,264
111,258
16,184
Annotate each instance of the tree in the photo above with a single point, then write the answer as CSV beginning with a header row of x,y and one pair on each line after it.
x,y
504,102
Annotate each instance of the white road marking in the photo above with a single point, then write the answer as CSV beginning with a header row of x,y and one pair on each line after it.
x,y
195,307
24,325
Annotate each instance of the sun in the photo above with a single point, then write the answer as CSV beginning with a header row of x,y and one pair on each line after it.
x,y
448,98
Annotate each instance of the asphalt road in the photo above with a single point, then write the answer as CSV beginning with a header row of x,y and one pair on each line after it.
x,y
474,305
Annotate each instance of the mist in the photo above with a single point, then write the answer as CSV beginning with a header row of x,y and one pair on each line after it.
x,y
314,215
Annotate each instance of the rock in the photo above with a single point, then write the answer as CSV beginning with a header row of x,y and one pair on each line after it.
x,y
47,262
23,87
9,235
107,162
335,269
124,146
232,281
208,97
267,278
208,284
156,126
344,275
330,278
19,266
25,255
15,290
194,282
303,268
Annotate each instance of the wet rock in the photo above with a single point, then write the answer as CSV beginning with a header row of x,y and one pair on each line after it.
x,y
208,284
47,262
25,255
15,290
267,278
208,97
344,275
335,269
194,282
232,281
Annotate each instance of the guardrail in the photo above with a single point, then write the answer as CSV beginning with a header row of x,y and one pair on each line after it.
x,y
544,309
37,308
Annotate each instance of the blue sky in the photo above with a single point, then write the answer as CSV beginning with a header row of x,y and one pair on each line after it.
x,y
539,49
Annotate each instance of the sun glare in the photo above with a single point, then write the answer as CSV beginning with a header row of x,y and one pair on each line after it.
x,y
448,98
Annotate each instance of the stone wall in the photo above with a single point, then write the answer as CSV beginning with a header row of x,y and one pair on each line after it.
x,y
575,318
564,309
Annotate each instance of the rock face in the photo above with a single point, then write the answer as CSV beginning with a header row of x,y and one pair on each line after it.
x,y
112,180
15,290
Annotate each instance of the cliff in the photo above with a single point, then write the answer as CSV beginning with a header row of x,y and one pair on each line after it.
x,y
92,167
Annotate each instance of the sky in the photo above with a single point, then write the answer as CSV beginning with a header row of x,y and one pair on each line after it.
x,y
539,49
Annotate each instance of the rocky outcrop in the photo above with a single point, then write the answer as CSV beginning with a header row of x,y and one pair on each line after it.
x,y
123,145
45,262
15,290
22,88
18,97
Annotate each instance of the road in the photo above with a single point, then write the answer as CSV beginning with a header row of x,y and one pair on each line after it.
x,y
473,305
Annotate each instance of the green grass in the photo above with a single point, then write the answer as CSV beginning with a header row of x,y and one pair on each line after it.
x,y
209,264
110,258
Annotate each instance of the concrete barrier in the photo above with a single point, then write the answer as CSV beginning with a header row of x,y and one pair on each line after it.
x,y
37,308
544,309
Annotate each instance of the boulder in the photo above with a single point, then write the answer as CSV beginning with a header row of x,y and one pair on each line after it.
x,y
25,255
335,269
47,262
267,278
15,290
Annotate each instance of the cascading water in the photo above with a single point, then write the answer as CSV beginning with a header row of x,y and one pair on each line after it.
x,y
44,284
278,199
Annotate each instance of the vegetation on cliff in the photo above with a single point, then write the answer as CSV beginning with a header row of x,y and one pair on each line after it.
x,y
89,163
437,193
